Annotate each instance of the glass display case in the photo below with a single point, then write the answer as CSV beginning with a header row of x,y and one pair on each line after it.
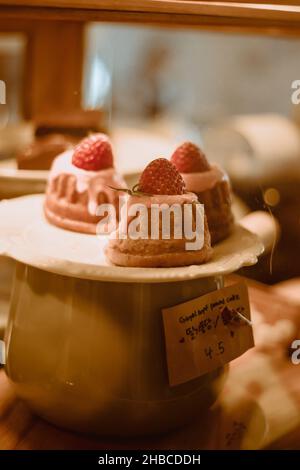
x,y
180,101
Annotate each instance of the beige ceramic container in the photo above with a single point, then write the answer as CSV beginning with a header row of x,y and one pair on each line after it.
x,y
90,355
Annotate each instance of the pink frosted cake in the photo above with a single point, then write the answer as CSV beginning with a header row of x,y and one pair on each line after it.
x,y
79,182
160,183
211,185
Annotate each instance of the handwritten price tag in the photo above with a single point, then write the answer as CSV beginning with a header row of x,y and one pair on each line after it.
x,y
206,333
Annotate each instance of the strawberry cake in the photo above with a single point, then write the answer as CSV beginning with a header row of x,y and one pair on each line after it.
x,y
160,186
211,185
79,181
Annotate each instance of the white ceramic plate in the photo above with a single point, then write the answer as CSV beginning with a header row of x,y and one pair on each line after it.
x,y
14,182
26,236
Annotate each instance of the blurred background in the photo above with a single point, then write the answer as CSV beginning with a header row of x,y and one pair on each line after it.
x,y
195,76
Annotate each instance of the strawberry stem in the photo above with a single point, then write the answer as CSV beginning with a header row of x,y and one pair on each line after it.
x,y
132,192
123,190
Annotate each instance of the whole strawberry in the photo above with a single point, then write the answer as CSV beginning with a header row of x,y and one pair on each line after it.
x,y
188,158
161,177
93,153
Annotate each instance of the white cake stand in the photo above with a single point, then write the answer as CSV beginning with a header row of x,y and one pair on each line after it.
x,y
27,237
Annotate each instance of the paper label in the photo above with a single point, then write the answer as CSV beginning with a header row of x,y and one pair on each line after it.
x,y
206,333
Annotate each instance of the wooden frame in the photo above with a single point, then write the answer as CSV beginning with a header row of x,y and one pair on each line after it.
x,y
48,66
266,18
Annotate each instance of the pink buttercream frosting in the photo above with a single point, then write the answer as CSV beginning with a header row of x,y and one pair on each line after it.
x,y
92,182
162,199
198,182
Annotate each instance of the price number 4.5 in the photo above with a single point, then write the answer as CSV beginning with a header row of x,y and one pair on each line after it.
x,y
210,352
